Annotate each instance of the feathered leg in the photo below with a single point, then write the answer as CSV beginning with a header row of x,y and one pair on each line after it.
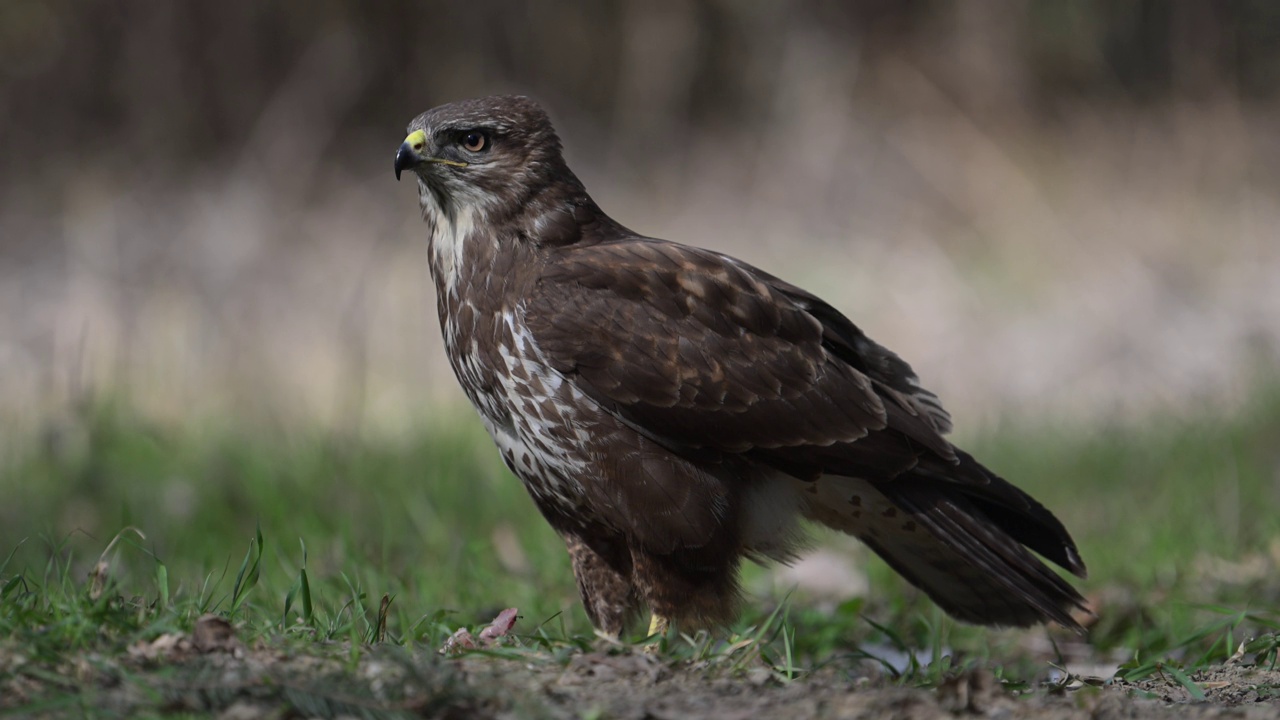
x,y
603,573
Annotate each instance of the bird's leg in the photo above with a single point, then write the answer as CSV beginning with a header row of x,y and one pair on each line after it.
x,y
681,591
604,583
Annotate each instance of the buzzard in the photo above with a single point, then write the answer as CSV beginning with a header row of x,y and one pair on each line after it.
x,y
673,410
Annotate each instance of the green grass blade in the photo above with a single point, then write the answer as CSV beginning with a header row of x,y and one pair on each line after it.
x,y
247,577
162,584
10,586
308,616
1192,687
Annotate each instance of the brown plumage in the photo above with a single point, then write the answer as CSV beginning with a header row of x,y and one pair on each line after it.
x,y
672,410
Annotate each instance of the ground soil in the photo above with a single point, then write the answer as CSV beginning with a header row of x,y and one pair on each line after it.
x,y
228,680
213,672
640,688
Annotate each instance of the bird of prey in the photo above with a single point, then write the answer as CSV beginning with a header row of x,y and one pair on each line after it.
x,y
673,410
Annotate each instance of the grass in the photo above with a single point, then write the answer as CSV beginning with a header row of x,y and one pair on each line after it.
x,y
115,532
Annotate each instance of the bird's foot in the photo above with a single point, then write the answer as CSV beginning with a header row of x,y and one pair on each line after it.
x,y
658,627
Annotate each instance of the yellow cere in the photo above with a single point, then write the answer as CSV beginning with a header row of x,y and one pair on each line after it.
x,y
416,140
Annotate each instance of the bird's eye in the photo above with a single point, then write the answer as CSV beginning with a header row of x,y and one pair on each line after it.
x,y
475,141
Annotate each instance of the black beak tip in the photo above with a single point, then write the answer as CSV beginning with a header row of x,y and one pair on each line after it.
x,y
405,158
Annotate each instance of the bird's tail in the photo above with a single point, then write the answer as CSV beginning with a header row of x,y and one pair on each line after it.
x,y
966,553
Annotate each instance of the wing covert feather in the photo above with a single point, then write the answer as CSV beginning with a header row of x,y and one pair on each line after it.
x,y
703,352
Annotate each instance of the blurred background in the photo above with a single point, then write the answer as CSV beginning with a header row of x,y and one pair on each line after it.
x,y
216,315
1064,212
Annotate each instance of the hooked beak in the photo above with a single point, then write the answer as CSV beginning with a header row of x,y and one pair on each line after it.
x,y
409,155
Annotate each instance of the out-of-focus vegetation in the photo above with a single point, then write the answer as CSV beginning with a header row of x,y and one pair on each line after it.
x,y
1049,208
188,82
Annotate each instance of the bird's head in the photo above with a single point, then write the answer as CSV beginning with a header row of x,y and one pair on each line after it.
x,y
488,154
